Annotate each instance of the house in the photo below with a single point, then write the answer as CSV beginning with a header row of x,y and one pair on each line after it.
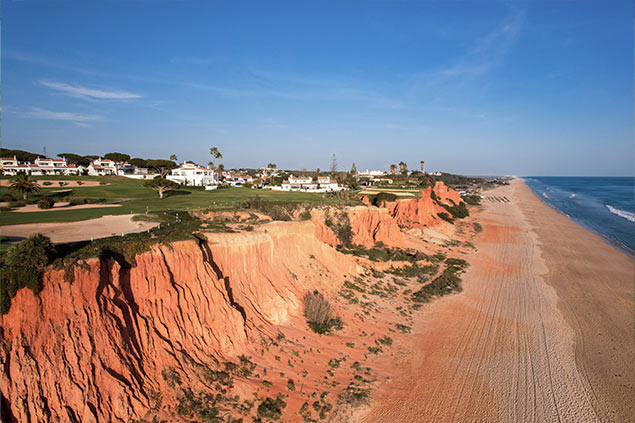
x,y
237,180
267,172
370,174
307,183
40,167
194,175
102,167
8,161
47,166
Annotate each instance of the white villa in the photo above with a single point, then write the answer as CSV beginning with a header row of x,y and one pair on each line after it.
x,y
194,175
40,167
102,167
127,169
307,183
370,174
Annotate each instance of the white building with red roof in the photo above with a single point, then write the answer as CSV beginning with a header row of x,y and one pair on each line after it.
x,y
194,175
42,166
307,183
102,167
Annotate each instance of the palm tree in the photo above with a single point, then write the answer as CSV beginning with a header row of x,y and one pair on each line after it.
x,y
393,169
211,165
317,171
24,184
421,163
173,157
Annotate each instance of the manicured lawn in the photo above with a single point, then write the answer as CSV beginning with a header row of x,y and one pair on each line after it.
x,y
135,198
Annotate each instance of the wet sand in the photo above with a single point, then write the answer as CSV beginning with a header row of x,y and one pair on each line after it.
x,y
543,330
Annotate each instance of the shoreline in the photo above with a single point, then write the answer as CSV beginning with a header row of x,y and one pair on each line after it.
x,y
620,247
542,331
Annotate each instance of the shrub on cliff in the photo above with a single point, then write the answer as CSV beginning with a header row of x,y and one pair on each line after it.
x,y
447,282
319,313
458,211
271,408
381,197
472,200
342,228
446,217
22,267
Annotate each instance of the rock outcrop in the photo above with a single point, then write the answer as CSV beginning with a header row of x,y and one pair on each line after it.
x,y
423,211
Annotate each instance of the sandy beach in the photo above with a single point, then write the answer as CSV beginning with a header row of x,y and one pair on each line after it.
x,y
543,330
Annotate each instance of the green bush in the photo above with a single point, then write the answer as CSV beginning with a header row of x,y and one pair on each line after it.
x,y
305,215
477,227
378,199
446,217
342,228
80,201
7,198
45,203
458,211
271,409
472,200
447,282
22,267
354,396
47,183
18,203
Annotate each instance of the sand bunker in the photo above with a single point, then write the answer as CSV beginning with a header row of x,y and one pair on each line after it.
x,y
56,183
62,206
79,231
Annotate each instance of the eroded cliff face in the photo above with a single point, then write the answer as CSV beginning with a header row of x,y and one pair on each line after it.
x,y
423,211
95,344
94,350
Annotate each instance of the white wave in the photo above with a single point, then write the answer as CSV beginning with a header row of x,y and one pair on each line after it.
x,y
544,194
621,213
572,196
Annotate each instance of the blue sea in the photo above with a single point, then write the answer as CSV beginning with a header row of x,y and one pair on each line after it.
x,y
604,205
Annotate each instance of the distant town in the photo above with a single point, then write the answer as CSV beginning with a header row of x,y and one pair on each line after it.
x,y
212,176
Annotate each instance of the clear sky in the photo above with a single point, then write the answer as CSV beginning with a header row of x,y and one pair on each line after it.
x,y
524,88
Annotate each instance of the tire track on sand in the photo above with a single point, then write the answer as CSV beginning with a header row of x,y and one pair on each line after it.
x,y
500,350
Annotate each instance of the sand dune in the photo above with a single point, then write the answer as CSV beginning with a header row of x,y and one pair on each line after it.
x,y
542,332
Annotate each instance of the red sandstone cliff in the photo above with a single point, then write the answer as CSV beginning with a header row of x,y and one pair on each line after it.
x,y
94,349
423,211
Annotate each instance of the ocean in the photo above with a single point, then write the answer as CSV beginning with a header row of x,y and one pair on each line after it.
x,y
604,205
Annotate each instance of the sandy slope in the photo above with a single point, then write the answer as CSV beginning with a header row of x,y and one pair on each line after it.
x,y
542,332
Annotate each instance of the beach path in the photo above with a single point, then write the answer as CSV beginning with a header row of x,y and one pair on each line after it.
x,y
543,331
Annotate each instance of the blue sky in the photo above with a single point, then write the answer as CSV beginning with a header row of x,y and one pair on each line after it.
x,y
525,88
